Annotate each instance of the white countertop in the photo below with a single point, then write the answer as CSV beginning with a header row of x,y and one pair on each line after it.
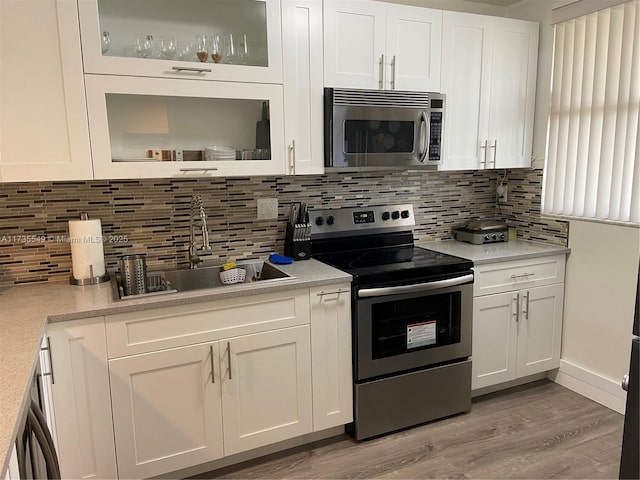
x,y
495,252
26,309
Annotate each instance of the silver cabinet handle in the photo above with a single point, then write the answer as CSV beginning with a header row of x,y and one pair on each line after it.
x,y
292,157
515,314
625,383
50,372
495,150
333,292
191,69
483,163
381,75
393,73
520,275
525,310
200,169
213,378
229,359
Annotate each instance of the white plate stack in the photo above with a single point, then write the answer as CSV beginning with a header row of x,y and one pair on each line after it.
x,y
215,153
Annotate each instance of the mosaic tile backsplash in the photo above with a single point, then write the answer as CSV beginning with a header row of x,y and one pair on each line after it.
x,y
152,216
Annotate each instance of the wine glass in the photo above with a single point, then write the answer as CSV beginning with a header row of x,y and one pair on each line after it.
x,y
242,52
144,45
185,51
105,42
216,48
202,47
229,49
167,47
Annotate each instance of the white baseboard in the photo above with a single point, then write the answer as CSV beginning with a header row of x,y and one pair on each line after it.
x,y
589,384
511,383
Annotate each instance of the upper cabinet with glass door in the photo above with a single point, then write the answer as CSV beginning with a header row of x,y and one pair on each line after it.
x,y
228,40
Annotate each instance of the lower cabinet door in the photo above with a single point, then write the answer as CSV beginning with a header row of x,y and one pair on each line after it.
x,y
495,339
266,388
540,329
331,355
166,410
80,394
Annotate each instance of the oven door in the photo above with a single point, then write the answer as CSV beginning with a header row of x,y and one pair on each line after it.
x,y
377,136
405,331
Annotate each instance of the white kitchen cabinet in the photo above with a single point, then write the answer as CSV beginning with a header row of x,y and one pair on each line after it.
x,y
259,20
489,69
185,406
376,45
132,117
303,85
162,385
81,398
266,388
167,409
43,116
12,472
331,355
517,331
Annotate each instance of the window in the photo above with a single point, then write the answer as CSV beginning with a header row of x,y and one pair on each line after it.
x,y
593,168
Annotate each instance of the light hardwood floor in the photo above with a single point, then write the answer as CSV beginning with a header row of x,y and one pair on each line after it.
x,y
540,430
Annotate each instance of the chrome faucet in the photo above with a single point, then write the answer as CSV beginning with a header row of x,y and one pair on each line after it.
x,y
197,214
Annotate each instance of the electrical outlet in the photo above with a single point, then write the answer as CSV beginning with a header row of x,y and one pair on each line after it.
x,y
501,191
267,208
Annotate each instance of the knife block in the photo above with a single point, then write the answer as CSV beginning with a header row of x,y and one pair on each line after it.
x,y
296,248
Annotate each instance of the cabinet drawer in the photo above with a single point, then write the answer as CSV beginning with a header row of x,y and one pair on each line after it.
x,y
159,328
506,276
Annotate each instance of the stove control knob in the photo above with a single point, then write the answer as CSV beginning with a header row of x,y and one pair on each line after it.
x,y
405,214
395,215
386,215
502,236
330,220
487,238
319,221
494,236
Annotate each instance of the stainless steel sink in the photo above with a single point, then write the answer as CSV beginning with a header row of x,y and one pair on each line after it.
x,y
209,277
187,279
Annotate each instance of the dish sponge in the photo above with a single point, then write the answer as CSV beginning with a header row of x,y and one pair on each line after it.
x,y
229,266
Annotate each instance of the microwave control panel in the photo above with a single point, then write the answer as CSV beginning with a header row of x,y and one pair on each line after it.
x,y
436,121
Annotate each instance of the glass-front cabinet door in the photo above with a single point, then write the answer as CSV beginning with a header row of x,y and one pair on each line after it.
x,y
229,40
152,127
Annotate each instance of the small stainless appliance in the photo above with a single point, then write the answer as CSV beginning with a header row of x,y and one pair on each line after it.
x,y
367,129
411,317
483,230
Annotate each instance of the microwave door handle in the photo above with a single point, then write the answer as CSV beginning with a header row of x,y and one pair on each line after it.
x,y
422,140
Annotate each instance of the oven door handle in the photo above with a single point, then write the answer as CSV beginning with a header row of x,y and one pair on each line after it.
x,y
418,287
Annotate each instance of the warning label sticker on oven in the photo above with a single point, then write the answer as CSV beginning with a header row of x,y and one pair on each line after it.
x,y
421,334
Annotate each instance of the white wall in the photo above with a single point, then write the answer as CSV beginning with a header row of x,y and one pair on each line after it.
x,y
455,5
598,310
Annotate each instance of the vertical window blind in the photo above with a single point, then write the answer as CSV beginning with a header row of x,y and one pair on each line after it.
x,y
592,169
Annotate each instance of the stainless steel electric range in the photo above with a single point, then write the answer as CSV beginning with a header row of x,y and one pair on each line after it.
x,y
411,317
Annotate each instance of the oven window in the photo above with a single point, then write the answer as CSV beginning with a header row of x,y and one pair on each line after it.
x,y
408,325
378,136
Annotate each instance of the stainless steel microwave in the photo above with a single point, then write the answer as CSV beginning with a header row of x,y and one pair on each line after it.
x,y
373,129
